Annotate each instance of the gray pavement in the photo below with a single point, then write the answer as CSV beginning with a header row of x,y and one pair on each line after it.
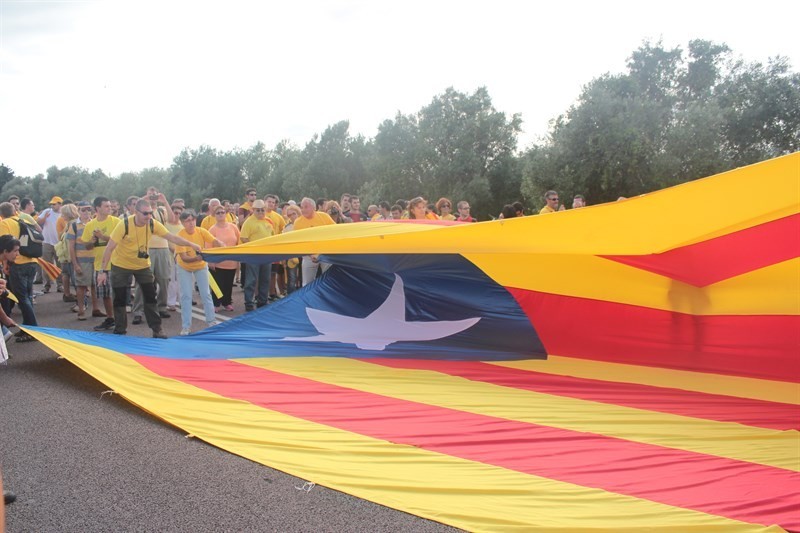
x,y
80,462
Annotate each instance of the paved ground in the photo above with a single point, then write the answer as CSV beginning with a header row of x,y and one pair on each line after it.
x,y
82,462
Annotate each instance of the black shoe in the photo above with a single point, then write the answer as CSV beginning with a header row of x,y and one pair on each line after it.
x,y
120,332
9,497
137,320
159,334
69,298
164,314
105,325
249,308
24,337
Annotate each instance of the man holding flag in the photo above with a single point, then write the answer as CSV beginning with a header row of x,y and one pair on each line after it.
x,y
128,249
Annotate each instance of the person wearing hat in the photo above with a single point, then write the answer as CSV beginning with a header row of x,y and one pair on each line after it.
x,y
48,220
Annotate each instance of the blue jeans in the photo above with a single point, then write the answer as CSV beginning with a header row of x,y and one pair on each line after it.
x,y
187,280
260,274
21,278
291,281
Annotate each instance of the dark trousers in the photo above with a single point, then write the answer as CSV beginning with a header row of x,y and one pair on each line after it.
x,y
121,285
21,278
224,278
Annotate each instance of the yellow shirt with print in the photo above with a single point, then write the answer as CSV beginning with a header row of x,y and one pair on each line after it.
x,y
126,254
105,227
319,219
255,228
202,238
10,226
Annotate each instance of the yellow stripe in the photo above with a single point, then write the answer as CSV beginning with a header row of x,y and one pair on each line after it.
x,y
773,290
738,387
464,494
724,439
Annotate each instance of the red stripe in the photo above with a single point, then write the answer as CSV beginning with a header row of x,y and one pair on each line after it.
x,y
720,486
724,257
757,413
758,346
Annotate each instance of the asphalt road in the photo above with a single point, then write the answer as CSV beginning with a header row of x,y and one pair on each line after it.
x,y
82,462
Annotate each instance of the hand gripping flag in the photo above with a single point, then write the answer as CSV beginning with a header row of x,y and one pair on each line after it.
x,y
625,366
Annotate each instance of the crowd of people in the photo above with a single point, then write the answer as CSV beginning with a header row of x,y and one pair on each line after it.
x,y
144,257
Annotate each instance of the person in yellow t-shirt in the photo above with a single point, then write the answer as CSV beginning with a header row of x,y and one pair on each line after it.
x,y
246,208
551,197
257,226
95,236
445,209
128,250
22,271
311,218
193,269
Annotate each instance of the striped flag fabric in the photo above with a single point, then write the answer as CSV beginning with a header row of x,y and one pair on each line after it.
x,y
626,366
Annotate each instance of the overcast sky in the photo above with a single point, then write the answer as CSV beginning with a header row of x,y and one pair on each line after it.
x,y
125,85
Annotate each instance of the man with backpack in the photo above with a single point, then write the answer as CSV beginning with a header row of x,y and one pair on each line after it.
x,y
22,271
128,254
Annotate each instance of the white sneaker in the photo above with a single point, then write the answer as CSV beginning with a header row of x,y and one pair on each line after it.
x,y
185,331
214,323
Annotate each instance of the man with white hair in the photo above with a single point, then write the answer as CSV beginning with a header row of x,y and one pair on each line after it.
x,y
311,218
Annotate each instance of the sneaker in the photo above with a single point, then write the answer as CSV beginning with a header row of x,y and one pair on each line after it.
x,y
69,298
74,308
185,331
229,307
164,314
249,307
214,323
46,289
172,308
137,320
159,334
59,289
105,325
98,313
81,315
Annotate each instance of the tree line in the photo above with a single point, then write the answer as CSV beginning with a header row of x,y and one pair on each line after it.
x,y
674,115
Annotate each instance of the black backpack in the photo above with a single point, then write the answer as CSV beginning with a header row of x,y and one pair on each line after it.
x,y
30,240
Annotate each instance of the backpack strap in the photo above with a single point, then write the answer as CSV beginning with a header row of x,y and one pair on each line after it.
x,y
152,226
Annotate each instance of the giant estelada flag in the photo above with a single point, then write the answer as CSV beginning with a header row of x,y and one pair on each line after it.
x,y
631,365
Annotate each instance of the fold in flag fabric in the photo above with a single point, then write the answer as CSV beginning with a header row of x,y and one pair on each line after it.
x,y
626,366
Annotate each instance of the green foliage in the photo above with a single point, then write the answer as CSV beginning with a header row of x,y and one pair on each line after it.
x,y
668,120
